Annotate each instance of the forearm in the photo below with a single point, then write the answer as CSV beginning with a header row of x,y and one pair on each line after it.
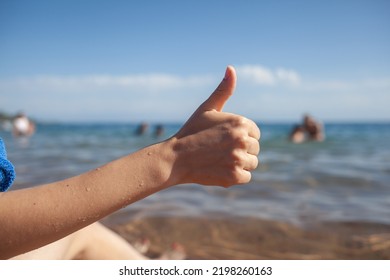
x,y
31,218
212,148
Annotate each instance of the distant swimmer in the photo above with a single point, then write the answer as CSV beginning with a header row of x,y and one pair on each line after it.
x,y
310,130
159,131
313,128
22,126
141,129
297,135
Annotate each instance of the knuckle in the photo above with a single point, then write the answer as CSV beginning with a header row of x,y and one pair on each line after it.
x,y
236,158
256,131
255,148
245,125
253,129
235,175
241,140
240,121
241,177
236,120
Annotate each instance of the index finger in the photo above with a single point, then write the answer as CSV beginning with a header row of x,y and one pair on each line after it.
x,y
254,130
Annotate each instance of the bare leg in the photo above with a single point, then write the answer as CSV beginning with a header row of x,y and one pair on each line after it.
x,y
99,242
94,242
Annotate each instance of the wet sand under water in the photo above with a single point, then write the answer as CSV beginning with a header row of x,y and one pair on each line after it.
x,y
260,239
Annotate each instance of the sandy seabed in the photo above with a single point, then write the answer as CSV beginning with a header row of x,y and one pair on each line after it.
x,y
252,238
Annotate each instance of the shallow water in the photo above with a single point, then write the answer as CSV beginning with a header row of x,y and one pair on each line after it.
x,y
344,178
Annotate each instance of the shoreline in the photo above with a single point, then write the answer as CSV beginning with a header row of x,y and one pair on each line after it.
x,y
253,238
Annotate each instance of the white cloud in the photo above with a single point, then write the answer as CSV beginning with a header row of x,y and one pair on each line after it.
x,y
288,76
102,97
332,85
364,85
256,74
93,83
378,83
261,93
260,75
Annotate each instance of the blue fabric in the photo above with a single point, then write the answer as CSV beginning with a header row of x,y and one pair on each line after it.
x,y
7,171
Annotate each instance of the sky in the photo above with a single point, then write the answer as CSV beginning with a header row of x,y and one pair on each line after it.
x,y
131,61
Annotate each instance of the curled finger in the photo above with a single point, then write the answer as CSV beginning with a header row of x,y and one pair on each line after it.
x,y
253,146
251,162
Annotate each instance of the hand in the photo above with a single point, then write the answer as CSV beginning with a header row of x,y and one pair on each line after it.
x,y
217,148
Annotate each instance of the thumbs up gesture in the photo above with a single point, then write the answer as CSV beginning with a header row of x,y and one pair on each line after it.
x,y
214,147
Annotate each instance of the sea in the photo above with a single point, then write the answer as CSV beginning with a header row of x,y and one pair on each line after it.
x,y
344,178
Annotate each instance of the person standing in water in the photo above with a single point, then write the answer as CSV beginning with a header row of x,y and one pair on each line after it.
x,y
309,130
313,129
22,126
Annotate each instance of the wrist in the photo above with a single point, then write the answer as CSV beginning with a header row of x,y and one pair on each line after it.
x,y
164,156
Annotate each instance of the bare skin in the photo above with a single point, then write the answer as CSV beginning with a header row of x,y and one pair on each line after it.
x,y
212,148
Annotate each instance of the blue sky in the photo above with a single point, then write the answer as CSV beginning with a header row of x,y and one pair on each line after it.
x,y
157,60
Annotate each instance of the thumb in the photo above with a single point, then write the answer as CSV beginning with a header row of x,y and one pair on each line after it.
x,y
221,94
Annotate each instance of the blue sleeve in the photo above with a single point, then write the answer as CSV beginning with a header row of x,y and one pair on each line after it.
x,y
7,171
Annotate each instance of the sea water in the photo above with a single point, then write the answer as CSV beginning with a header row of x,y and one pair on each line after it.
x,y
344,178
